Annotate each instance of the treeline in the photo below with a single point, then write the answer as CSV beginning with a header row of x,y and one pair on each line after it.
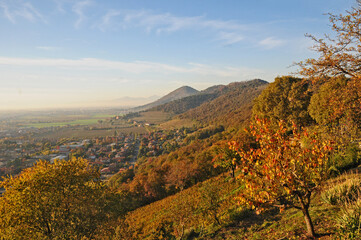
x,y
154,178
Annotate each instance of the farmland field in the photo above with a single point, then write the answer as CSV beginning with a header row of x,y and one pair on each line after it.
x,y
154,117
176,123
89,121
85,124
80,132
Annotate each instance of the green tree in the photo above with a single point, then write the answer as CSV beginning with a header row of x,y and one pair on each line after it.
x,y
287,98
284,170
64,200
336,106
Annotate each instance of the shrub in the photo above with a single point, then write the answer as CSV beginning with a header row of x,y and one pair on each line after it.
x,y
240,214
346,159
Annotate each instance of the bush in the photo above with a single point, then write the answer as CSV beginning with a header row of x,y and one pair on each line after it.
x,y
346,159
240,214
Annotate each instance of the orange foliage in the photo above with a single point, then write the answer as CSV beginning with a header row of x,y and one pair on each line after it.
x,y
284,170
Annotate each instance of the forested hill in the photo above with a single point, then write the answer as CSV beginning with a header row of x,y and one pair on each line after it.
x,y
216,98
232,107
184,104
179,93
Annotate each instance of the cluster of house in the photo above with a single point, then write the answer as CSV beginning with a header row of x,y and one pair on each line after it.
x,y
14,156
156,143
109,154
141,124
112,154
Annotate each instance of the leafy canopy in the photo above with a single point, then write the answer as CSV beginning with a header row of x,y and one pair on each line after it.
x,y
287,99
336,105
64,200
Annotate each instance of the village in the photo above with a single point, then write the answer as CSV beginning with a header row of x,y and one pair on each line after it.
x,y
111,154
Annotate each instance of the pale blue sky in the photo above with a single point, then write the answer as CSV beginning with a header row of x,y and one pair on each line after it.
x,y
56,53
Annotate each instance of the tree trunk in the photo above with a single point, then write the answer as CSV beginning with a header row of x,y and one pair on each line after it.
x,y
309,224
304,207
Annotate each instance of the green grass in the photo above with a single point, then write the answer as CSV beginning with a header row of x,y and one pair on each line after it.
x,y
100,116
346,189
69,120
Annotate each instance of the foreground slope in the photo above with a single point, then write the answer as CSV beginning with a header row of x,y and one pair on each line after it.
x,y
209,210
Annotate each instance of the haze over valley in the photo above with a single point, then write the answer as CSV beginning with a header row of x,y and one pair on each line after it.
x,y
64,53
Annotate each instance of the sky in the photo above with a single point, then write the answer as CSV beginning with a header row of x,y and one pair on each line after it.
x,y
77,53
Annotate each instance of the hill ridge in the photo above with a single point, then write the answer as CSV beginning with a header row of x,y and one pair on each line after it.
x,y
179,93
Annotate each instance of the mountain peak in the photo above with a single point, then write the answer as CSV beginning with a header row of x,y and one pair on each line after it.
x,y
182,92
179,93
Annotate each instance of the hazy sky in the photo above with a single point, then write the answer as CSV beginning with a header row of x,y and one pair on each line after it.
x,y
54,53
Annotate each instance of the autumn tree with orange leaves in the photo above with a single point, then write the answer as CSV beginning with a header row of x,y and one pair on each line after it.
x,y
284,170
340,53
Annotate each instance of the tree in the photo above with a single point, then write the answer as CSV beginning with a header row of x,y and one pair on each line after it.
x,y
287,98
227,158
340,56
64,200
336,106
340,53
210,202
284,170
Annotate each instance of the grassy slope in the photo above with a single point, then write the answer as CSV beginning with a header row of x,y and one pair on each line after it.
x,y
182,210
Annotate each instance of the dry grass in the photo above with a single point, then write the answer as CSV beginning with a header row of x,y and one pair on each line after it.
x,y
342,189
176,123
